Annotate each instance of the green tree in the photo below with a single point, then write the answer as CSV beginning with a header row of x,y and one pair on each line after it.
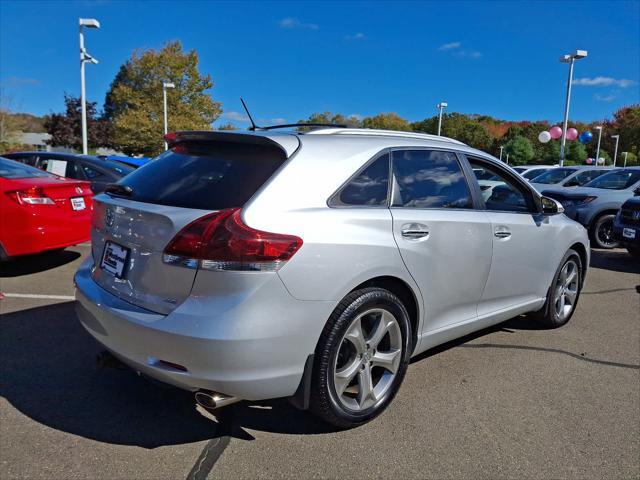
x,y
329,118
227,126
11,126
386,121
66,128
520,150
576,153
134,101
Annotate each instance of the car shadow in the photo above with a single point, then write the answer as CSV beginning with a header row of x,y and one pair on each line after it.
x,y
617,260
28,264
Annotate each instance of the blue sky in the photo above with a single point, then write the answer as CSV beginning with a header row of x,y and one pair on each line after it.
x,y
289,59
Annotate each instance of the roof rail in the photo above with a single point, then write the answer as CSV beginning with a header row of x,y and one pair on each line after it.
x,y
382,133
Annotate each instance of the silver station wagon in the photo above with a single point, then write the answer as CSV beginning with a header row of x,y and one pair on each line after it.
x,y
256,265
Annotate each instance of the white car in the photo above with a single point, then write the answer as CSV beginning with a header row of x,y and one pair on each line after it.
x,y
531,171
249,266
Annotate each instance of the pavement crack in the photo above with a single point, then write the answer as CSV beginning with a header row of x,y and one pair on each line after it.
x,y
552,350
212,450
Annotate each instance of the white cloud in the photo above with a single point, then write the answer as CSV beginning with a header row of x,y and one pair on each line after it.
x,y
450,46
468,54
292,22
604,98
16,82
357,36
604,82
235,116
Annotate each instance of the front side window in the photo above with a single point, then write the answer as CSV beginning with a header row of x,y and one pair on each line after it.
x,y
368,188
553,176
616,180
500,193
429,179
586,176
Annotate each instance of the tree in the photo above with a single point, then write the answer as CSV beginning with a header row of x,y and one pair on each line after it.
x,y
134,101
627,123
576,153
520,150
227,126
10,125
66,128
386,121
330,118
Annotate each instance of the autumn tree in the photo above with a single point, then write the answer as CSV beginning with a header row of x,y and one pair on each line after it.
x,y
330,118
134,101
66,128
520,150
387,121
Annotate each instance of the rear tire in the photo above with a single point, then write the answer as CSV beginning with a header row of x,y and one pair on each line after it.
x,y
563,294
634,251
602,231
361,358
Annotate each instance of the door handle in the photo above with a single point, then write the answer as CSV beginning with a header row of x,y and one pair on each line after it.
x,y
502,232
413,233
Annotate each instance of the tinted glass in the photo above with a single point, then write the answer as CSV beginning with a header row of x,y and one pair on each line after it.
x,y
205,175
429,179
555,175
11,169
520,169
616,180
91,173
500,193
370,187
586,176
534,173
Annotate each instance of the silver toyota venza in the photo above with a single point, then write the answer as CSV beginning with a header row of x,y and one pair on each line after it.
x,y
249,266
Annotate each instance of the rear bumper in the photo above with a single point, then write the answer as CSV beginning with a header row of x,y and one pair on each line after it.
x,y
252,347
619,227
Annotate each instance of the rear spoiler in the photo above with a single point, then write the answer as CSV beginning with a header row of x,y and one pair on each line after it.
x,y
287,143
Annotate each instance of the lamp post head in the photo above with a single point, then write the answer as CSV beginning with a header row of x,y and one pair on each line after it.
x,y
442,105
577,55
89,22
598,127
580,54
168,85
615,136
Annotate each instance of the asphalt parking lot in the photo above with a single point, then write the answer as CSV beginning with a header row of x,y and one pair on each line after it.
x,y
514,401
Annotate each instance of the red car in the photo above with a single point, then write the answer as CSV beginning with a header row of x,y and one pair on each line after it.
x,y
40,211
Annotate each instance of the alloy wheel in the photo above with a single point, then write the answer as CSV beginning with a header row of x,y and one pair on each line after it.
x,y
566,289
605,234
368,359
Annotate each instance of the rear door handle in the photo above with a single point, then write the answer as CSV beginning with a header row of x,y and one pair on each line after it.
x,y
502,232
415,231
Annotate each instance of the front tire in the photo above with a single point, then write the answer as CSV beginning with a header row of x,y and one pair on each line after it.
x,y
602,232
361,358
564,292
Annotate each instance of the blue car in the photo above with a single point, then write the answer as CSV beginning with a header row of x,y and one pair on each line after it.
x,y
626,226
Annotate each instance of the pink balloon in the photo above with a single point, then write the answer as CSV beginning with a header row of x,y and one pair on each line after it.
x,y
572,134
589,161
556,132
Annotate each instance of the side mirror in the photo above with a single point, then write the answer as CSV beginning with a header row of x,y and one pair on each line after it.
x,y
551,206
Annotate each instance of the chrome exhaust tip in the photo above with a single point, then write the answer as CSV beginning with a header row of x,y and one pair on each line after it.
x,y
212,400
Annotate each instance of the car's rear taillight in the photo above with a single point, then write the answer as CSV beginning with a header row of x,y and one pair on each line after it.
x,y
31,196
221,241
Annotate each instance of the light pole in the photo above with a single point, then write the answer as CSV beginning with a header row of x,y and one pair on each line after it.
x,y
441,106
84,58
615,152
507,159
625,159
165,85
599,128
501,147
570,59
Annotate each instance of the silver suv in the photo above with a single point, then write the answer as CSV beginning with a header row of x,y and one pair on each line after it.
x,y
314,266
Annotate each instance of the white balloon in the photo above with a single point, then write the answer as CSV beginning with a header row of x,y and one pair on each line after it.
x,y
544,137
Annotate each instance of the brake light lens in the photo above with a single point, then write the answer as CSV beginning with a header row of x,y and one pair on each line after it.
x,y
31,196
221,241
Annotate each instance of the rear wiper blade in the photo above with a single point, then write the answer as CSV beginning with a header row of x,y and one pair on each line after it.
x,y
118,190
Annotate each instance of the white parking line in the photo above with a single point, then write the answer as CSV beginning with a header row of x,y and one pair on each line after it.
x,y
33,295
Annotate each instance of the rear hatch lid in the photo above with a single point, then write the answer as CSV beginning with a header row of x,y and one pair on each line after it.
x,y
137,218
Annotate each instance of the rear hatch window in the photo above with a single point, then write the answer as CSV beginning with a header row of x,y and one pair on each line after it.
x,y
205,175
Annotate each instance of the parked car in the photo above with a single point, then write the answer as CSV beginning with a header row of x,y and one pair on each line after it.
x,y
133,162
568,176
233,268
626,226
595,205
40,211
78,167
531,171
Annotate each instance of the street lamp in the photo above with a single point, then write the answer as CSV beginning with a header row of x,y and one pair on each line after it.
x,y
84,58
441,106
625,159
507,159
570,59
615,153
501,147
165,85
599,128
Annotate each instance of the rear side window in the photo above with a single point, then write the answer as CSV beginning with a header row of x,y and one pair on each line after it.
x,y
369,188
429,179
553,176
586,177
205,175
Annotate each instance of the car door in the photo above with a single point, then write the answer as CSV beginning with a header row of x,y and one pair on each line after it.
x,y
444,243
523,258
